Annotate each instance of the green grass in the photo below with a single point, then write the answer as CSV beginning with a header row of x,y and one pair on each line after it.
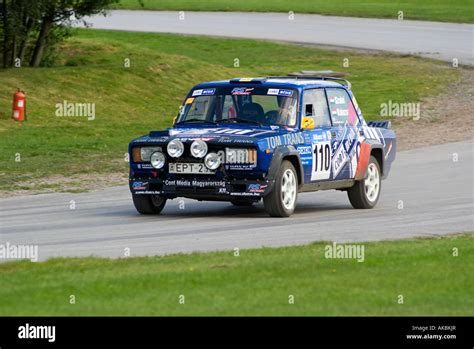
x,y
258,282
132,101
434,10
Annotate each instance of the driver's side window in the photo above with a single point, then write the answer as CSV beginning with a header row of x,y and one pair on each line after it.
x,y
315,106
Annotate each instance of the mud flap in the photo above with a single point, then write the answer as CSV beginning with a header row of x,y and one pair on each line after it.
x,y
363,163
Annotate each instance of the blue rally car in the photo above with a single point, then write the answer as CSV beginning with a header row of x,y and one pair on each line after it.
x,y
250,139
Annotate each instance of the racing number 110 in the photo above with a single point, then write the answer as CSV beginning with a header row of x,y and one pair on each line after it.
x,y
321,161
322,157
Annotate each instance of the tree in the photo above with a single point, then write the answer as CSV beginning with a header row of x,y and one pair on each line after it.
x,y
5,32
35,22
63,12
17,21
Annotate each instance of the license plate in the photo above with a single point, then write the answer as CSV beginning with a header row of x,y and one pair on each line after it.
x,y
189,168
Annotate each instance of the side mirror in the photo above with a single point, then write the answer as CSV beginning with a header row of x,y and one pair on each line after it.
x,y
174,120
307,123
308,110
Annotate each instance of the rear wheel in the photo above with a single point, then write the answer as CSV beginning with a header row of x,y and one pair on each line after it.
x,y
148,204
281,201
366,193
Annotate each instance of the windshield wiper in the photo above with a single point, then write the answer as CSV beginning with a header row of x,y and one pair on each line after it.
x,y
197,120
242,120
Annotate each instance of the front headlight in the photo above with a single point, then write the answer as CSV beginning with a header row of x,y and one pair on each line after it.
x,y
157,160
145,152
199,149
212,161
175,148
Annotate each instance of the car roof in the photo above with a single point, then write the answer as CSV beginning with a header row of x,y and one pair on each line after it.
x,y
288,82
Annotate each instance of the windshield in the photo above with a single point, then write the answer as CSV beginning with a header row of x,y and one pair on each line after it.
x,y
241,104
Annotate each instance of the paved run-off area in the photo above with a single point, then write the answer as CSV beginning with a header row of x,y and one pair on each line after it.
x,y
429,192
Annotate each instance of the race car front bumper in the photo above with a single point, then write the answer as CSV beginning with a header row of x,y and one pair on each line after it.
x,y
202,188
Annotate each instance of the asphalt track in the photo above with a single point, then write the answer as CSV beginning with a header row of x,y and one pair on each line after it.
x,y
427,194
444,41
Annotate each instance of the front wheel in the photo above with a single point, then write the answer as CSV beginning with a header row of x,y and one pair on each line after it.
x,y
366,193
148,204
281,201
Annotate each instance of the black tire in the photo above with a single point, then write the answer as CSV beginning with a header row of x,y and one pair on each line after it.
x,y
357,194
273,202
148,204
242,202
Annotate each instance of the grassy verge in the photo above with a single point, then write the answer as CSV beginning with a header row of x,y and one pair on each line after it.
x,y
132,101
258,282
435,10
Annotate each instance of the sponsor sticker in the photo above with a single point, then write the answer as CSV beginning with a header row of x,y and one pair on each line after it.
x,y
337,100
286,139
204,92
285,93
257,188
148,192
241,91
208,91
340,112
306,154
305,150
279,92
145,166
339,160
244,194
317,137
239,167
350,140
139,185
194,183
189,100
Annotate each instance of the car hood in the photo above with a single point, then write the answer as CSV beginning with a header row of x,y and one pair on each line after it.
x,y
229,135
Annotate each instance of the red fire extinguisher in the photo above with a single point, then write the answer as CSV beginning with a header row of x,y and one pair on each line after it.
x,y
19,106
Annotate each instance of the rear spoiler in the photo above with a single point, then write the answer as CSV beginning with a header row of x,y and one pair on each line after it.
x,y
380,124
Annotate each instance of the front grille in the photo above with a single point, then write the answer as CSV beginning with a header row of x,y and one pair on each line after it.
x,y
212,148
